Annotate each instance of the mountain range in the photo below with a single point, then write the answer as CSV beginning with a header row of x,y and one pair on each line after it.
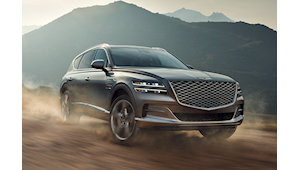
x,y
195,16
245,52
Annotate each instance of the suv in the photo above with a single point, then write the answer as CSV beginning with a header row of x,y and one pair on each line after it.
x,y
135,88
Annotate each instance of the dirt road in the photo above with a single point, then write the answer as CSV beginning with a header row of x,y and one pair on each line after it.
x,y
48,143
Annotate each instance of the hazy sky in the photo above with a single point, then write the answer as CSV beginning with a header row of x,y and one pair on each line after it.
x,y
41,12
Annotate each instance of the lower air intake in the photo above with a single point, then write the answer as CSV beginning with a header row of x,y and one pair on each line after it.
x,y
204,117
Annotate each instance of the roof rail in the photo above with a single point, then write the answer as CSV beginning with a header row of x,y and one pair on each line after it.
x,y
158,48
103,44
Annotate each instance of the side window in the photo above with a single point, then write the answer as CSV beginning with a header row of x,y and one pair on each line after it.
x,y
76,62
86,60
101,55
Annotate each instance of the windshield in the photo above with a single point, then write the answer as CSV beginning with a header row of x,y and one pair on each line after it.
x,y
141,57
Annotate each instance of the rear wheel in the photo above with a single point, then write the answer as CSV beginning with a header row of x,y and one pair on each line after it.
x,y
218,133
67,114
122,121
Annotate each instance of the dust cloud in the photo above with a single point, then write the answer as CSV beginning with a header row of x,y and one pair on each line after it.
x,y
48,143
41,101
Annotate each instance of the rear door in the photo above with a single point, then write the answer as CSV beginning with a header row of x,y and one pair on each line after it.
x,y
80,80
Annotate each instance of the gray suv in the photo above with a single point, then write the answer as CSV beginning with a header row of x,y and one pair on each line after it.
x,y
136,88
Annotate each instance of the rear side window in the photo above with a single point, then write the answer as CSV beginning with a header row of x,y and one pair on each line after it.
x,y
87,60
76,62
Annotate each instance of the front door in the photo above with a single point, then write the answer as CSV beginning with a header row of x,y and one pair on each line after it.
x,y
98,88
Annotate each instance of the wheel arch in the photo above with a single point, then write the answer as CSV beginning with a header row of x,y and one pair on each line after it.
x,y
121,89
63,88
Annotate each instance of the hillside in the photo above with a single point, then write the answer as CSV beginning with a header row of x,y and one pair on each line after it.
x,y
195,16
189,15
28,28
246,52
219,17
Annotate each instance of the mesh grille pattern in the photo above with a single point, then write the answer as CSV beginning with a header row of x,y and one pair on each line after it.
x,y
204,94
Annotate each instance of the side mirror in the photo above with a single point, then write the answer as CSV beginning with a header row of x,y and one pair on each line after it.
x,y
98,64
190,67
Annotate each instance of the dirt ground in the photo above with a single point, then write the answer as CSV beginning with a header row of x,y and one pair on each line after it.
x,y
48,143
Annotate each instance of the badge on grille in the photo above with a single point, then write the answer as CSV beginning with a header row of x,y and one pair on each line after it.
x,y
204,78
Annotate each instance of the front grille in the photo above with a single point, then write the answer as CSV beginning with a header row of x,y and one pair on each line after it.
x,y
204,94
204,116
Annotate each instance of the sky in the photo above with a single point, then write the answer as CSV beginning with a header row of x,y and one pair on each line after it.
x,y
41,12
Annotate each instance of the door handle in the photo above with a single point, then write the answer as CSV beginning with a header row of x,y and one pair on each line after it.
x,y
87,79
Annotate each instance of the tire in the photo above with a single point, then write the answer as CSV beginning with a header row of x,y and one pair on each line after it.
x,y
218,133
122,121
67,114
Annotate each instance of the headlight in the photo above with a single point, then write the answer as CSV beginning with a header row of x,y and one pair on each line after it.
x,y
149,87
239,89
150,84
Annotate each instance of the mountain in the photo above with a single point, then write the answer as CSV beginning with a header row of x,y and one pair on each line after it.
x,y
189,15
28,28
245,52
195,16
219,17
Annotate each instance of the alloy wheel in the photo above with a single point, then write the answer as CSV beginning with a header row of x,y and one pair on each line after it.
x,y
122,120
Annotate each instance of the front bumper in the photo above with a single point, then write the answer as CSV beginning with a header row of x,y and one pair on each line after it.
x,y
157,122
161,108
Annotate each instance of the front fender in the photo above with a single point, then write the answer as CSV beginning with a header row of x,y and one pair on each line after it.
x,y
126,88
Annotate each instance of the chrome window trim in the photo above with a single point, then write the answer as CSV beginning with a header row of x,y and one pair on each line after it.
x,y
82,54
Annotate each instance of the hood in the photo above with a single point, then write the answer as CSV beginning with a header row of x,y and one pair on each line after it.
x,y
179,74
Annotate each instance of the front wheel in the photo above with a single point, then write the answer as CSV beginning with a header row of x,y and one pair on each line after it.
x,y
218,133
122,121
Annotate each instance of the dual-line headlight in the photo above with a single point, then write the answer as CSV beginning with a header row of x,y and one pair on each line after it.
x,y
149,87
